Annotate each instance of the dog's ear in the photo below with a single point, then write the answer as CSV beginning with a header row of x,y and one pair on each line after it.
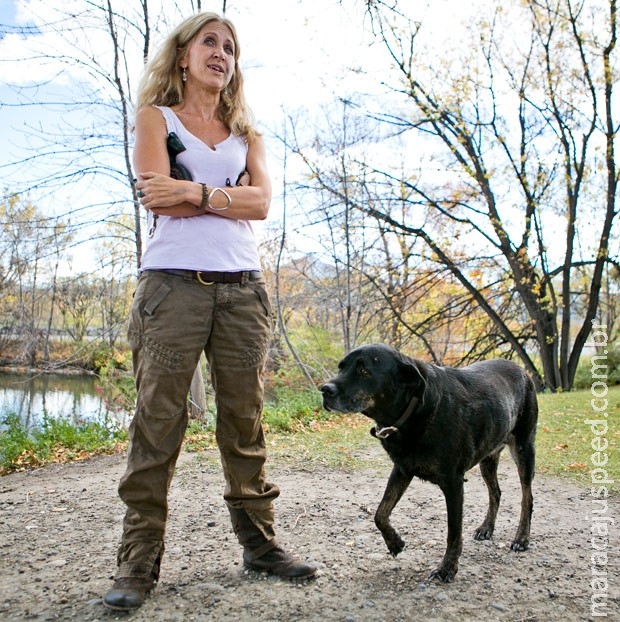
x,y
414,373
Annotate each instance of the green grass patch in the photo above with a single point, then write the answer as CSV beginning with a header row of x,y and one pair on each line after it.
x,y
567,446
294,411
338,443
301,434
298,431
54,441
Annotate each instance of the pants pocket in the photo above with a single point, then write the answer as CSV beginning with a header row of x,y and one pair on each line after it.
x,y
157,298
264,298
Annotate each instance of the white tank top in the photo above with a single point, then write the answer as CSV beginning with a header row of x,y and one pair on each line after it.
x,y
207,241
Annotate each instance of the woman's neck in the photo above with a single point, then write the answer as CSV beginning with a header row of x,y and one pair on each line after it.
x,y
204,107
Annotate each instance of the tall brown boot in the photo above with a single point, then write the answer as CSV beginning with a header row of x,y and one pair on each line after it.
x,y
262,553
129,592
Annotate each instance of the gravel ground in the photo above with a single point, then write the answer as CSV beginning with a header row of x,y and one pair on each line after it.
x,y
61,524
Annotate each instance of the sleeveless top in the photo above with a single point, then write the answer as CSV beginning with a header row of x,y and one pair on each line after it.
x,y
208,241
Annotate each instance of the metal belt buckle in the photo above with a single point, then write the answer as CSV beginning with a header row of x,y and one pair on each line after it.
x,y
199,279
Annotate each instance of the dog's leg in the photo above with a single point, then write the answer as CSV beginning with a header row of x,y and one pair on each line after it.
x,y
453,492
488,469
524,455
396,486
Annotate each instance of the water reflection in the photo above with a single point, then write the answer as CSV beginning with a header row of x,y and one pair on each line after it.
x,y
75,398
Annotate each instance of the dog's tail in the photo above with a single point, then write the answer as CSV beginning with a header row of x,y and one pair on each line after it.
x,y
528,417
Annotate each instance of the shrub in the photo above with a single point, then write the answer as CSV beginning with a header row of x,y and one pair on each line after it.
x,y
583,377
293,409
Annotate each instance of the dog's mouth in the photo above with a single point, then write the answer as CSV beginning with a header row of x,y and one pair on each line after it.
x,y
331,405
337,404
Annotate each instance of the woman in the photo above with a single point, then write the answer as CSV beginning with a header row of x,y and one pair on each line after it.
x,y
200,288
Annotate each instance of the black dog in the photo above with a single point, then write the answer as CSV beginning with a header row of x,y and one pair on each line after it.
x,y
436,423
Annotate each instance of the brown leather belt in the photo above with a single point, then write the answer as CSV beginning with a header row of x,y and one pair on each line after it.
x,y
209,278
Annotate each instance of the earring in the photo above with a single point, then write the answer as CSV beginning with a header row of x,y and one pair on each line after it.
x,y
184,74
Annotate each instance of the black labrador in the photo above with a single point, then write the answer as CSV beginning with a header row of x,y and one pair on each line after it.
x,y
436,423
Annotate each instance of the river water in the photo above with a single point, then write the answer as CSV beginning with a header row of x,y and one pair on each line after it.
x,y
75,398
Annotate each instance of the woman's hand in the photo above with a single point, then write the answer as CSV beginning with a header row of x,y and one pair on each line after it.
x,y
156,191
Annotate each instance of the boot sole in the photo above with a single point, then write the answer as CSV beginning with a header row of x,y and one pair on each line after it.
x,y
310,575
115,608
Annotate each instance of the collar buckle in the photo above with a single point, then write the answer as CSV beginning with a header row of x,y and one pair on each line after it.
x,y
385,432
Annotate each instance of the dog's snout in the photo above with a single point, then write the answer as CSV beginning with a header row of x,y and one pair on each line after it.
x,y
328,389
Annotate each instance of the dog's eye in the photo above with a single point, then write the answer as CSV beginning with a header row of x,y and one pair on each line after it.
x,y
363,371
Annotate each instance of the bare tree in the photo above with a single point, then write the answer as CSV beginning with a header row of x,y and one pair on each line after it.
x,y
30,247
380,282
100,47
529,144
332,189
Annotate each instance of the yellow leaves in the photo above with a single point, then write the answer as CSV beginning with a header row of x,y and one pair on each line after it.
x,y
199,442
27,460
477,275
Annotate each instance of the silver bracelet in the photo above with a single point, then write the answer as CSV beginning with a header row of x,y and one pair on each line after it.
x,y
212,194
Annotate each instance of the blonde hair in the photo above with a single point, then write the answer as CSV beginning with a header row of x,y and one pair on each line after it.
x,y
161,83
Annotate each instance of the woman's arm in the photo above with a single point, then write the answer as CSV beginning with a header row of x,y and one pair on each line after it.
x,y
172,197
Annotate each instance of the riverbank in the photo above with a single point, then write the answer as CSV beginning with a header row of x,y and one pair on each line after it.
x,y
61,371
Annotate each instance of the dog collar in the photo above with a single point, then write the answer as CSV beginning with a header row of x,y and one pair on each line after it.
x,y
389,430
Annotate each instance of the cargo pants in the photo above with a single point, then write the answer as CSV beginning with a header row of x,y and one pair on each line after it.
x,y
173,319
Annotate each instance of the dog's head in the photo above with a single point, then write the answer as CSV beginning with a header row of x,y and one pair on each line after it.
x,y
376,380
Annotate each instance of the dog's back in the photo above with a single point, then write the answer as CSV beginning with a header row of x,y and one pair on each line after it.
x,y
490,404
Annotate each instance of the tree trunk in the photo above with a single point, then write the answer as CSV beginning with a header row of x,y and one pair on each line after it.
x,y
198,396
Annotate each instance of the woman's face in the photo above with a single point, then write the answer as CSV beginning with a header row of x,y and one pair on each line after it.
x,y
210,57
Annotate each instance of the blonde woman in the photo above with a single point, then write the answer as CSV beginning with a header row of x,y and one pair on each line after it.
x,y
200,289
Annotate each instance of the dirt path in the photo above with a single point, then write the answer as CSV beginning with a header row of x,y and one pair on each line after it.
x,y
60,527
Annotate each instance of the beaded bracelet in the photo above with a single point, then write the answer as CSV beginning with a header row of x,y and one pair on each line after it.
x,y
205,199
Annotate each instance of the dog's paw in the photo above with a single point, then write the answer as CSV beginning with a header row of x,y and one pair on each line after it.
x,y
443,574
520,544
395,544
483,533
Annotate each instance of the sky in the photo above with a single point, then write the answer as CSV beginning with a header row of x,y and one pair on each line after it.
x,y
297,56
294,54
